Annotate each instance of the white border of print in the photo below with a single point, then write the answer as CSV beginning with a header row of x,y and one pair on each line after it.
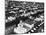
x,y
2,16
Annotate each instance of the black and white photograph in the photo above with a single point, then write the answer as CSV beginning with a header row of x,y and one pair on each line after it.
x,y
24,17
